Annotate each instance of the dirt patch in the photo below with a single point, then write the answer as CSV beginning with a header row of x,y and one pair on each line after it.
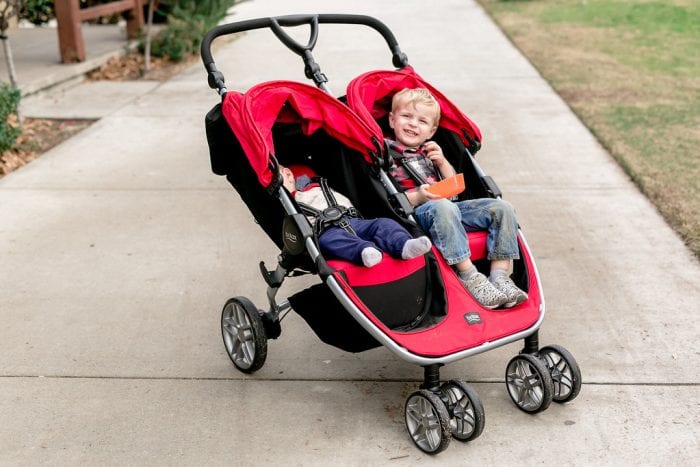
x,y
39,135
131,67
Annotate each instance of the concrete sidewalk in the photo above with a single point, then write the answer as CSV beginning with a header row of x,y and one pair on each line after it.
x,y
119,248
38,61
51,89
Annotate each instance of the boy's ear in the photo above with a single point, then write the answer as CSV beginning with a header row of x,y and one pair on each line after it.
x,y
432,132
391,119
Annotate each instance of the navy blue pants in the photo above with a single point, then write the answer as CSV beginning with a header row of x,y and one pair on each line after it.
x,y
382,233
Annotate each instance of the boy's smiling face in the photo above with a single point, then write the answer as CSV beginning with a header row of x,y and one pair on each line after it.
x,y
413,124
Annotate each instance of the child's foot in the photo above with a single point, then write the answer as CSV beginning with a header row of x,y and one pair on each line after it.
x,y
483,291
371,256
514,295
416,247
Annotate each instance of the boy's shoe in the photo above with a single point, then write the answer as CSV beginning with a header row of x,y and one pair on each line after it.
x,y
484,291
514,296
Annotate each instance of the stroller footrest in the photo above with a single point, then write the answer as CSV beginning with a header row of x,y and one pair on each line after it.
x,y
270,277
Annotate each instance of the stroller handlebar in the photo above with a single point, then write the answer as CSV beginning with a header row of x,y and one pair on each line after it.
x,y
216,78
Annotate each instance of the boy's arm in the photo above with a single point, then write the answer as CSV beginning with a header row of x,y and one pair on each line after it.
x,y
420,195
434,152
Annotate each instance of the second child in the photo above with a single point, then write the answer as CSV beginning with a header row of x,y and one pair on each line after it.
x,y
414,118
365,239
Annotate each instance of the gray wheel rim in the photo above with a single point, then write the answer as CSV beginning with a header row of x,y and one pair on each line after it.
x,y
562,376
239,338
464,421
423,423
525,384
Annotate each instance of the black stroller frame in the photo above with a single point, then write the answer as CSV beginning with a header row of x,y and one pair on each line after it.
x,y
534,378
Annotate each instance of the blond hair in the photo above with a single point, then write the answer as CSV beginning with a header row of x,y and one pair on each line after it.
x,y
414,97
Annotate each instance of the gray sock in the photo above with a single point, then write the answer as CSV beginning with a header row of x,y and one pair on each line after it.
x,y
496,273
370,256
416,247
465,275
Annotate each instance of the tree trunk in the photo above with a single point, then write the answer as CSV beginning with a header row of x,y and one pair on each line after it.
x,y
11,70
147,49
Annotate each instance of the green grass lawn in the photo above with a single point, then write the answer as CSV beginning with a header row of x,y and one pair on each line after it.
x,y
631,71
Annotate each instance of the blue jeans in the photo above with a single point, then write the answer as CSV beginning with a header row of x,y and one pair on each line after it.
x,y
447,223
383,234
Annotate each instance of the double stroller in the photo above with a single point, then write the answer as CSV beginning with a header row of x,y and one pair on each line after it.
x,y
416,308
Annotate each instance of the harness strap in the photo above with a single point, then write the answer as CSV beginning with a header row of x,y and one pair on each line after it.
x,y
334,214
327,193
397,153
308,210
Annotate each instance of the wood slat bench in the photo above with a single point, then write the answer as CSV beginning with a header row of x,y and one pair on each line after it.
x,y
70,17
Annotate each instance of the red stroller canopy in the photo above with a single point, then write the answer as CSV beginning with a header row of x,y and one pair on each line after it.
x,y
369,95
252,115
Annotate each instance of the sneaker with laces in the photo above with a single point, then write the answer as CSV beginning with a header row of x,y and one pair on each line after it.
x,y
484,291
514,295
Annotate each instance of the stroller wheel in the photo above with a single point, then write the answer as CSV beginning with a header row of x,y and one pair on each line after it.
x,y
244,334
529,383
427,421
565,372
464,404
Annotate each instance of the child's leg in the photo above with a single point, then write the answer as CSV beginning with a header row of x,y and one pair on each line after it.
x,y
442,220
338,243
498,218
392,237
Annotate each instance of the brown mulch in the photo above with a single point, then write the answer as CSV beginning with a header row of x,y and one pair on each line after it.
x,y
131,67
39,134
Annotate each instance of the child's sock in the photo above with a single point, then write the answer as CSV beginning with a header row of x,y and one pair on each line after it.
x,y
465,275
496,273
416,247
370,256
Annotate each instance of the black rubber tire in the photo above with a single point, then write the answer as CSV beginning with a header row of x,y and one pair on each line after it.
x,y
529,383
427,421
244,334
566,374
464,404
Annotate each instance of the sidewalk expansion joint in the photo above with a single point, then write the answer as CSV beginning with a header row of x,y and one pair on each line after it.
x,y
330,380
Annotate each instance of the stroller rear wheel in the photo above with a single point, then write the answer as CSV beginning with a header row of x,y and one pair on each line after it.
x,y
428,421
244,334
565,372
529,383
467,411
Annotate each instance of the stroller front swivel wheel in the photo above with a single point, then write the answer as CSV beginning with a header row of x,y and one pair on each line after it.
x,y
529,383
466,410
427,421
565,372
243,334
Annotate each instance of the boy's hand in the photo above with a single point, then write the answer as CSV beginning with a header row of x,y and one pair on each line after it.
x,y
433,151
422,195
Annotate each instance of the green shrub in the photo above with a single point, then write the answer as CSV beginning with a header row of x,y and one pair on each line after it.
x,y
188,21
38,11
9,101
